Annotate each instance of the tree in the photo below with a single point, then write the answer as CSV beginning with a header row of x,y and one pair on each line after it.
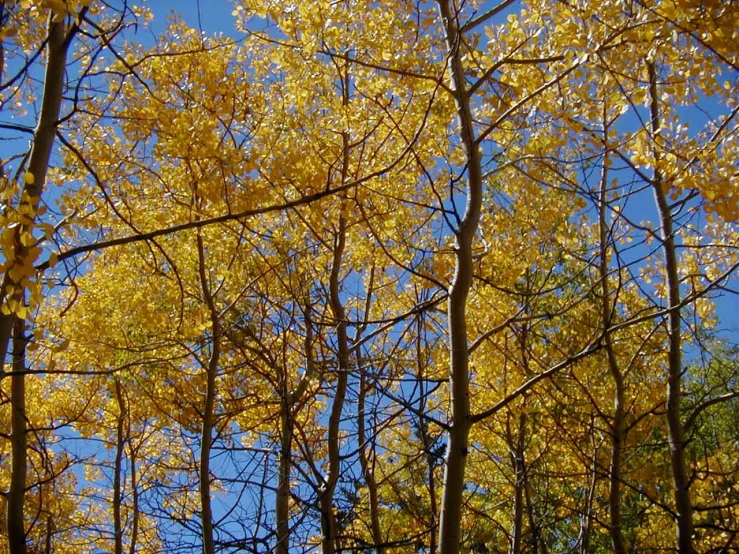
x,y
226,260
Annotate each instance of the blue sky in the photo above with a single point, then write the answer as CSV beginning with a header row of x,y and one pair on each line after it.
x,y
215,16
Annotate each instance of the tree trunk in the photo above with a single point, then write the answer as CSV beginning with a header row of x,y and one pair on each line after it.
x,y
134,498
328,518
282,496
118,469
617,425
519,467
366,463
589,512
206,434
675,431
457,447
427,442
38,165
18,441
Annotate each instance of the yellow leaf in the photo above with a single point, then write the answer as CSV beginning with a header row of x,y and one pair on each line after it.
x,y
29,178
27,239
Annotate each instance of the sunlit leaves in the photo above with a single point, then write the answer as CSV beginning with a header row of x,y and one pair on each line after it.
x,y
315,97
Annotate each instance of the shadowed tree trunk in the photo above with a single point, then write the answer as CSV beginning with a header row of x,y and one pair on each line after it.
x,y
367,465
18,442
517,458
118,470
328,487
617,423
287,431
206,435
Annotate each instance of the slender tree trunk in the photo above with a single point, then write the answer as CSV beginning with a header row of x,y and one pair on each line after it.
x,y
367,465
427,443
535,540
450,536
519,466
617,424
49,542
328,518
282,500
118,469
287,433
18,441
587,526
206,434
134,498
38,166
367,454
675,431
326,500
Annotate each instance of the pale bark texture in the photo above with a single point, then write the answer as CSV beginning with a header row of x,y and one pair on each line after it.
x,y
675,429
450,536
38,165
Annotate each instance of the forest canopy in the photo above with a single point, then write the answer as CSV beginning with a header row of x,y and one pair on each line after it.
x,y
398,276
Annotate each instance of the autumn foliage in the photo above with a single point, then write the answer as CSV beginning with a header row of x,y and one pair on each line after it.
x,y
394,277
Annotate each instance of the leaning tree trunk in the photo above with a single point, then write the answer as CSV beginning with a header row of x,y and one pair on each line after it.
x,y
10,324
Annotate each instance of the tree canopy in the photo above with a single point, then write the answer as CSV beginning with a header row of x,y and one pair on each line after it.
x,y
439,276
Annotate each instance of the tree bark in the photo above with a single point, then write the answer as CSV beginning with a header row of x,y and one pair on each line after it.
x,y
427,442
675,430
617,425
458,437
287,433
18,441
366,463
134,498
117,471
282,496
206,434
589,512
328,518
10,324
519,467
38,164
